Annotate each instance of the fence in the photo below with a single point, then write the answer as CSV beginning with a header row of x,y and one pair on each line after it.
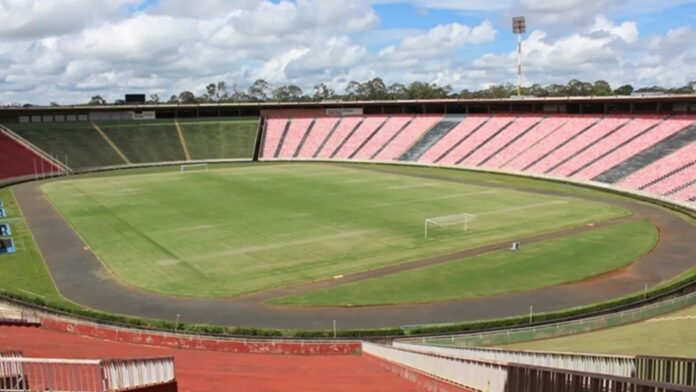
x,y
672,370
491,376
559,329
524,378
622,366
39,374
480,375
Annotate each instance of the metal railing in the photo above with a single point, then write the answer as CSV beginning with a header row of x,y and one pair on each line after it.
x,y
41,374
480,375
622,366
525,378
559,329
491,376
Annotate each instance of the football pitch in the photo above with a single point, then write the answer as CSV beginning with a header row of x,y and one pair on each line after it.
x,y
238,230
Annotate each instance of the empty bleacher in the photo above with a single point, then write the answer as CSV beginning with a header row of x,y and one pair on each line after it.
x,y
585,147
77,145
220,139
141,142
360,136
635,146
322,128
17,160
430,138
390,129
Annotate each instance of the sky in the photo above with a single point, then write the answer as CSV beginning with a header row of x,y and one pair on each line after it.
x,y
69,50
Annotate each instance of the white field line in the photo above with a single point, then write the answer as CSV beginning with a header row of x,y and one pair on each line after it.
x,y
672,318
412,186
278,245
524,207
424,199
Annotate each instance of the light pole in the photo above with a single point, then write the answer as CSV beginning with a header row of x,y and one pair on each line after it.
x,y
519,27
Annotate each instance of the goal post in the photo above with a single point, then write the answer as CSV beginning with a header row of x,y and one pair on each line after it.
x,y
194,167
449,220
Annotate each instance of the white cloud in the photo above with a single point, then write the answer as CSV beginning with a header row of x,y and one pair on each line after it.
x,y
22,19
441,40
68,50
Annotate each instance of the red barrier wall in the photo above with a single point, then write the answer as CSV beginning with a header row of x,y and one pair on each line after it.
x,y
163,339
423,380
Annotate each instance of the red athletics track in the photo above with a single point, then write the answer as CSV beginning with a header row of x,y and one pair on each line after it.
x,y
199,371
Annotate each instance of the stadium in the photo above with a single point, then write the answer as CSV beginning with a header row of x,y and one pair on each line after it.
x,y
506,244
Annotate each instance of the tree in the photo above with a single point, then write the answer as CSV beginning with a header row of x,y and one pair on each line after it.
x,y
187,97
154,98
397,91
289,93
119,102
259,90
222,93
323,93
626,89
601,88
211,92
97,100
173,99
54,104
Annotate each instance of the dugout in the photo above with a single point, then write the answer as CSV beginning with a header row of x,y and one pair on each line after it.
x,y
6,246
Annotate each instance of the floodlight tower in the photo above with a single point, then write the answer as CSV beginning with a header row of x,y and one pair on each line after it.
x,y
519,27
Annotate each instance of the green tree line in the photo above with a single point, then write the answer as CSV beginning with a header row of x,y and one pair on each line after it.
x,y
377,89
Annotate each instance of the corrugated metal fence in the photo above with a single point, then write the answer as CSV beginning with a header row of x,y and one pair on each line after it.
x,y
39,374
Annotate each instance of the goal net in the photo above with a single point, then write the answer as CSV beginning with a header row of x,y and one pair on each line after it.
x,y
449,220
194,167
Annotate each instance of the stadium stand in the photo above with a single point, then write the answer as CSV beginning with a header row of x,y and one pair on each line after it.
x,y
660,149
562,135
17,160
545,127
501,140
220,139
274,131
577,143
434,135
145,142
390,129
474,139
336,138
294,135
660,168
405,139
651,154
322,128
361,135
77,145
453,139
635,146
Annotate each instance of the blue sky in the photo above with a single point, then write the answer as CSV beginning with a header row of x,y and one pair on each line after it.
x,y
68,50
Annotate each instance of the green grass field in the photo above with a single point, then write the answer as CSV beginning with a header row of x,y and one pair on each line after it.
x,y
671,334
541,264
232,231
24,272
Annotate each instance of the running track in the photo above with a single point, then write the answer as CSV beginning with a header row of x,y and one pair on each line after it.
x,y
82,278
204,371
